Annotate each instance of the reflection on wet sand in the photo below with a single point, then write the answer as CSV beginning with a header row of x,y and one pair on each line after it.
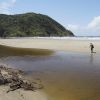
x,y
65,76
91,58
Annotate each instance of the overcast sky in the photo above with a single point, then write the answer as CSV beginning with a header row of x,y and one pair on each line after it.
x,y
82,17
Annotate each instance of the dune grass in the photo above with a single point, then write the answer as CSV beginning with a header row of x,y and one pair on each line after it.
x,y
16,51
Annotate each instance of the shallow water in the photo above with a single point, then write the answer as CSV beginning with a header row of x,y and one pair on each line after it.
x,y
17,51
65,76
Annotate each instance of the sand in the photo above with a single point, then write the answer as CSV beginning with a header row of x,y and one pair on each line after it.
x,y
10,91
67,45
54,44
21,94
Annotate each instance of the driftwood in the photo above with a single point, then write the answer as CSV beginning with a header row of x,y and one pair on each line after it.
x,y
16,80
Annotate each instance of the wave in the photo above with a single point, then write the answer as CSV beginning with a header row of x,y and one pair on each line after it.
x,y
58,38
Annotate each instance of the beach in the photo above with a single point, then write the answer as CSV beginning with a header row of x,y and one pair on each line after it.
x,y
21,94
15,85
70,73
69,45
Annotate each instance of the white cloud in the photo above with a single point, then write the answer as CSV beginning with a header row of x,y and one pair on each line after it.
x,y
6,5
95,22
76,28
92,28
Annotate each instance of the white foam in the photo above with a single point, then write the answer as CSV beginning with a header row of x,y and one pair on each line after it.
x,y
69,38
59,38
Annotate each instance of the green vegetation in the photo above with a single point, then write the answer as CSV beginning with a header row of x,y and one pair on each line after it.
x,y
14,51
30,24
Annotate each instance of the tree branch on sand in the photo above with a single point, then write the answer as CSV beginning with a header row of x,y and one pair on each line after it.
x,y
15,79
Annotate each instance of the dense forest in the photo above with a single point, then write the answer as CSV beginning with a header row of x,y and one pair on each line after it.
x,y
30,24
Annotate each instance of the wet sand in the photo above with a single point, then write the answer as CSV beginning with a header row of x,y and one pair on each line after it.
x,y
18,51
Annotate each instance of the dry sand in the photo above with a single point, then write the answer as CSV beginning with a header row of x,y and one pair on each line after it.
x,y
54,44
21,94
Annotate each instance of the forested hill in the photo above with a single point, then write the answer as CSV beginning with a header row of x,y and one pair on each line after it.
x,y
30,24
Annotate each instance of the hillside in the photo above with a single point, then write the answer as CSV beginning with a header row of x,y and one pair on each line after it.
x,y
30,24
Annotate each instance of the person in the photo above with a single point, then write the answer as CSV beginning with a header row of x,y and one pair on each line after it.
x,y
91,47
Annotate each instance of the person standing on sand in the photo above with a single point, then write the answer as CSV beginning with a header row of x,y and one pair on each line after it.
x,y
91,47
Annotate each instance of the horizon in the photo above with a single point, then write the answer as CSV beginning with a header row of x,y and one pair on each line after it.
x,y
82,17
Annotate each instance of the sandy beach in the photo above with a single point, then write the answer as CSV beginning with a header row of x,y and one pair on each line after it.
x,y
21,94
15,85
57,72
69,45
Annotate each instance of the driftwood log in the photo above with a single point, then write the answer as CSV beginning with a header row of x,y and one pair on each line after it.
x,y
16,80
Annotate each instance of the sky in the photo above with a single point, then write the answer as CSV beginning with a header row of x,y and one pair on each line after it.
x,y
82,17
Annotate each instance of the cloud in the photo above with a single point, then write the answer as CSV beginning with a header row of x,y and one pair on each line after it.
x,y
5,5
95,23
91,29
76,28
